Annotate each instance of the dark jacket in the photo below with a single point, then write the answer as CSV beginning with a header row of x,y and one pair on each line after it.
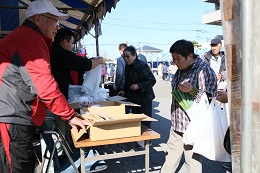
x,y
26,83
64,61
207,56
139,73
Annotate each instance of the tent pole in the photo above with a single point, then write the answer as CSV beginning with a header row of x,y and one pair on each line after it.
x,y
247,78
96,37
96,34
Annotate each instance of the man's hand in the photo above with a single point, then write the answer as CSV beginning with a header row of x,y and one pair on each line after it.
x,y
222,96
187,87
134,87
96,61
121,93
75,121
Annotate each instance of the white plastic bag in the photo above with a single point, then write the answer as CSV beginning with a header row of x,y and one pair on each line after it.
x,y
92,81
206,132
198,107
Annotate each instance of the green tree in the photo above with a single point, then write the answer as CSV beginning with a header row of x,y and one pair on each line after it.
x,y
196,45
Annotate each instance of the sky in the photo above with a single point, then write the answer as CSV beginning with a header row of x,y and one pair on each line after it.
x,y
156,23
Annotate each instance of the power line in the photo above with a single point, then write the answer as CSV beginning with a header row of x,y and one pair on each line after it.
x,y
128,26
154,23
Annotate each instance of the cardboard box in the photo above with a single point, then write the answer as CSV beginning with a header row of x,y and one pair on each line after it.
x,y
109,106
119,124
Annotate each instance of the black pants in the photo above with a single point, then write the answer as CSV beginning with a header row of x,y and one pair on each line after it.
x,y
164,76
145,109
20,156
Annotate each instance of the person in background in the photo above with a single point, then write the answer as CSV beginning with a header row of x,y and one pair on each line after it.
x,y
120,69
139,82
63,60
112,73
164,71
216,58
27,86
171,71
104,73
222,84
159,70
193,77
77,77
149,65
142,57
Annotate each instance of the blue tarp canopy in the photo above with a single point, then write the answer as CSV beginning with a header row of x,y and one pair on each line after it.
x,y
84,14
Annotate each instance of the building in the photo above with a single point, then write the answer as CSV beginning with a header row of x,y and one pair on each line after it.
x,y
212,17
148,50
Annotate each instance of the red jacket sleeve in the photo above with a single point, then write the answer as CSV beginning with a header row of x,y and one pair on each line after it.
x,y
38,67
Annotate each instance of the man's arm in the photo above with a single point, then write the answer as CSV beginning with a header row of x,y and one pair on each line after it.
x,y
120,78
96,61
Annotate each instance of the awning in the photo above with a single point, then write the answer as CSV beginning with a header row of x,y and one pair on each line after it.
x,y
84,14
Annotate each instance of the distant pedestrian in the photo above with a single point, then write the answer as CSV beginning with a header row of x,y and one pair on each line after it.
x,y
103,74
164,71
112,73
171,71
159,70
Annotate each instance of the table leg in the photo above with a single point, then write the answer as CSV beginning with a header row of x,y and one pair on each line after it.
x,y
147,148
82,160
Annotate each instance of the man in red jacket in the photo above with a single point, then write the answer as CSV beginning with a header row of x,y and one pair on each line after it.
x,y
27,86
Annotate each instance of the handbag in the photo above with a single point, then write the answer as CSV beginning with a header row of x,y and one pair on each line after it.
x,y
209,128
194,114
227,141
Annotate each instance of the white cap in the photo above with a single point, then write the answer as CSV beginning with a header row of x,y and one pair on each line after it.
x,y
81,52
44,6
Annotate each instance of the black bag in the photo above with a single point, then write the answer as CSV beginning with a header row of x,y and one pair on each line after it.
x,y
109,86
227,141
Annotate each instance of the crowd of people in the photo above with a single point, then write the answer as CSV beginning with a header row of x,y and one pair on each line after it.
x,y
38,68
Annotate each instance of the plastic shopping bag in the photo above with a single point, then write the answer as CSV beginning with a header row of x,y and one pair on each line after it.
x,y
92,81
198,107
197,116
212,132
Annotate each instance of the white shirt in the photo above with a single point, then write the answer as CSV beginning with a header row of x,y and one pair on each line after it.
x,y
215,63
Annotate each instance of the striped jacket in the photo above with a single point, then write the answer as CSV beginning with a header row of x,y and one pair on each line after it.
x,y
202,77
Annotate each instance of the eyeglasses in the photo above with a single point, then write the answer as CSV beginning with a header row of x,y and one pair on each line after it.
x,y
126,56
56,20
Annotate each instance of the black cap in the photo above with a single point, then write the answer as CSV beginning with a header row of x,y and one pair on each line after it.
x,y
215,41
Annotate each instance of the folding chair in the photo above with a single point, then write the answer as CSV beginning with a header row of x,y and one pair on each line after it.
x,y
56,131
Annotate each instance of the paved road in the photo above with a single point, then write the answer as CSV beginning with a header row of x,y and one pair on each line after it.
x,y
161,112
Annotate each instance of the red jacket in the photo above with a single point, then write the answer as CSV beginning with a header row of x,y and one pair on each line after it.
x,y
26,83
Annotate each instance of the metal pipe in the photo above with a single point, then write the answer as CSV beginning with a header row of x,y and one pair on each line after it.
x,y
96,33
247,78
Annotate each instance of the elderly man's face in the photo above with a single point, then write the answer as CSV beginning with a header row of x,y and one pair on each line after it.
x,y
215,49
48,24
